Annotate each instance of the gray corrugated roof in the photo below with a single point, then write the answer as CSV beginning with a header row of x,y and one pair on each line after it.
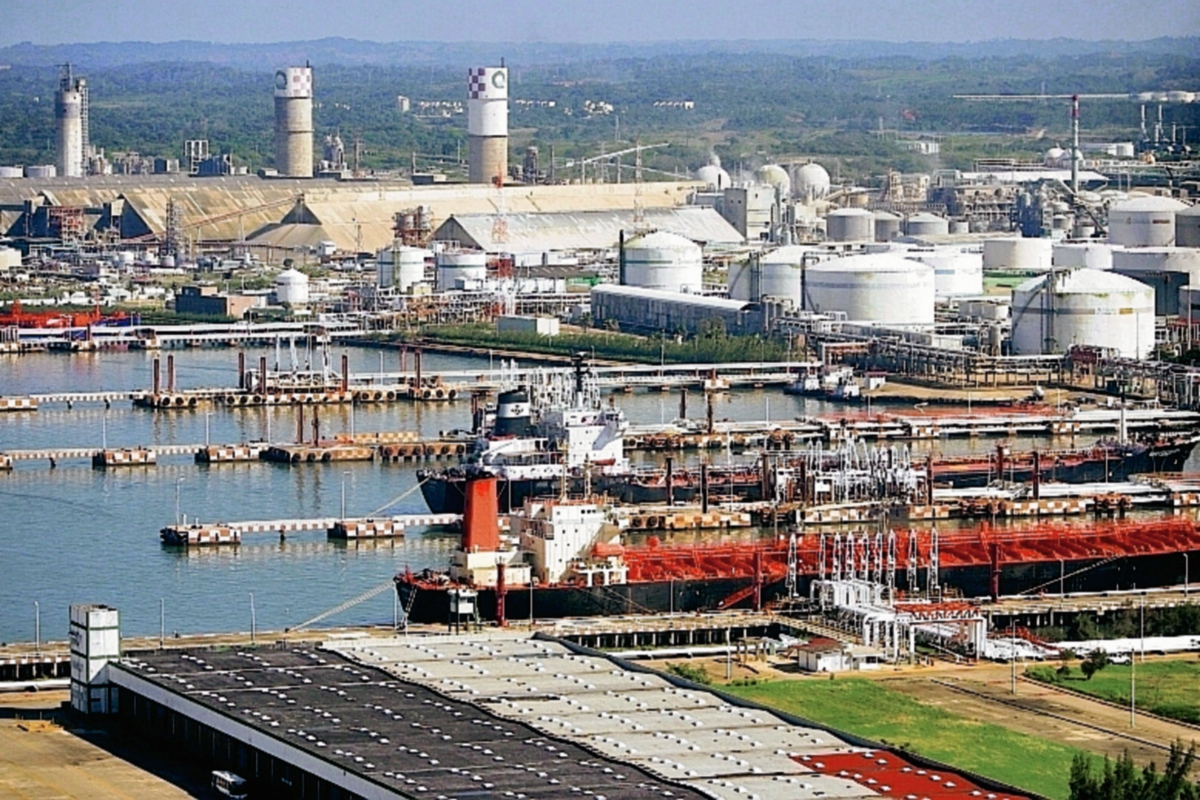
x,y
584,230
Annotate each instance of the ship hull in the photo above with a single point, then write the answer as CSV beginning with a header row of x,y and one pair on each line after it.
x,y
1093,468
431,605
446,493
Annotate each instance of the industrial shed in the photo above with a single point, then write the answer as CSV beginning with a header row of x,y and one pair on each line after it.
x,y
583,230
640,310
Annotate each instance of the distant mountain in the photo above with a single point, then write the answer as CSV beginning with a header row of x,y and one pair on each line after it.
x,y
350,52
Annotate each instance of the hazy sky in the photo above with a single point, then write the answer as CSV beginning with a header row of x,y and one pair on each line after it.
x,y
57,21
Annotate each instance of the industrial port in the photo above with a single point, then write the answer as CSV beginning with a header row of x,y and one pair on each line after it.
x,y
515,473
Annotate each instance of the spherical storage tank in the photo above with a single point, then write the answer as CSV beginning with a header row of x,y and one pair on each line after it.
x,y
776,176
1016,252
1089,255
715,178
879,287
850,225
926,225
291,287
887,226
1144,222
1083,306
462,264
1187,227
956,272
810,182
664,261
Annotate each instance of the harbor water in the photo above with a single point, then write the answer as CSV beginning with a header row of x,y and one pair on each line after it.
x,y
78,534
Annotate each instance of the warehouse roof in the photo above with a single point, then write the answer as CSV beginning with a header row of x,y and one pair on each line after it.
x,y
699,300
407,738
583,230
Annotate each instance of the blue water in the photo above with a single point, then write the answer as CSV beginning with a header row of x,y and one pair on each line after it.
x,y
75,534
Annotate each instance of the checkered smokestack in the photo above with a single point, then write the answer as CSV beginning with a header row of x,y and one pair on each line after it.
x,y
487,124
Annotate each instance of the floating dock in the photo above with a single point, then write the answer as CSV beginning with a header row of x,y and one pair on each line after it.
x,y
231,533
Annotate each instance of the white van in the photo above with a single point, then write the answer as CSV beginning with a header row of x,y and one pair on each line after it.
x,y
228,784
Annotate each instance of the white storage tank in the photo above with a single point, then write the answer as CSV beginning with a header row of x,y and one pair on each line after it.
x,y
41,171
1187,227
850,225
1144,222
926,225
714,178
1088,255
1017,252
1083,306
455,265
880,287
12,172
778,275
956,272
810,182
291,287
401,266
887,226
664,261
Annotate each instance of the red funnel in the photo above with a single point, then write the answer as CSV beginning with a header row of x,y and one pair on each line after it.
x,y
481,510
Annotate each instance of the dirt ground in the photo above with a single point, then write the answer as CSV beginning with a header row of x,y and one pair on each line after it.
x,y
39,758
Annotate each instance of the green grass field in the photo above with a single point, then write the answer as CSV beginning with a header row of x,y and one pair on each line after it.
x,y
1166,688
869,709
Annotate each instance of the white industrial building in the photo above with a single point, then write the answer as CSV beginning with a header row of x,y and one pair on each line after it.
x,y
1052,312
641,310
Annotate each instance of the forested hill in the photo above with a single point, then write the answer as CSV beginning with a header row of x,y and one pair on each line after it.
x,y
349,52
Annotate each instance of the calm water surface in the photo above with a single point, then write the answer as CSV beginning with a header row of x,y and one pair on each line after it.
x,y
74,534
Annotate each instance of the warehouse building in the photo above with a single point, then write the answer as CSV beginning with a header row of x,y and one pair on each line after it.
x,y
639,310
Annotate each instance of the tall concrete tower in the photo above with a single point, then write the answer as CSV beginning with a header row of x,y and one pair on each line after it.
x,y
70,123
487,124
293,122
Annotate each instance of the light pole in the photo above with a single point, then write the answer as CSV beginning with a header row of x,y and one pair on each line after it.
x,y
37,627
178,481
344,474
162,622
253,621
1185,574
207,415
1132,690
1012,623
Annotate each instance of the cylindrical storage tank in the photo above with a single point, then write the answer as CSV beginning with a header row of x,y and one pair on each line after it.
x,y
810,182
41,171
880,287
714,178
385,268
887,226
126,258
1086,255
293,122
960,226
1163,268
167,261
740,283
780,274
410,266
12,172
664,261
956,272
776,176
68,120
487,124
926,225
850,225
1015,252
1123,150
1187,227
1144,222
291,287
461,264
1052,312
